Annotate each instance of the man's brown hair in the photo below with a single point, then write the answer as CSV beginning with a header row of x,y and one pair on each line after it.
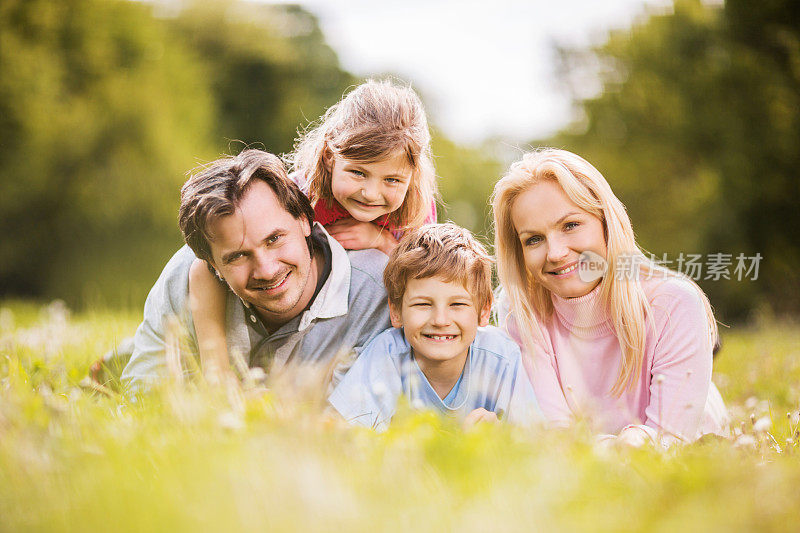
x,y
446,251
216,189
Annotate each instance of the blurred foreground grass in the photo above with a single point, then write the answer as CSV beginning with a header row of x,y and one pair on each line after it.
x,y
194,460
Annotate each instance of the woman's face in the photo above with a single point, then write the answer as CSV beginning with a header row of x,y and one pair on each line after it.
x,y
553,232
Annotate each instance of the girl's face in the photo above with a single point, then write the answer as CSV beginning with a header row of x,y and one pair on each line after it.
x,y
553,232
370,190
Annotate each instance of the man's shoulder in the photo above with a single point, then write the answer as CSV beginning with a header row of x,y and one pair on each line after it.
x,y
367,267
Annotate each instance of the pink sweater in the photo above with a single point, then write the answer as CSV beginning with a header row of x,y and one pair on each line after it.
x,y
575,370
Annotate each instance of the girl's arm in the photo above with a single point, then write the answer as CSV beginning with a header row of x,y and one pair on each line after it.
x,y
355,235
207,298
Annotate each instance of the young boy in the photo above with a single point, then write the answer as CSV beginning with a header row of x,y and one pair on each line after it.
x,y
439,284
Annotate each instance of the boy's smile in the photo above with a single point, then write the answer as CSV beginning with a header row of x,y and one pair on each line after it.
x,y
439,319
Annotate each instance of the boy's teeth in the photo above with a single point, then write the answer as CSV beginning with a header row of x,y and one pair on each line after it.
x,y
442,337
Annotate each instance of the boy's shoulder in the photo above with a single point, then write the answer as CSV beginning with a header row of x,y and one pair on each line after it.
x,y
493,342
388,343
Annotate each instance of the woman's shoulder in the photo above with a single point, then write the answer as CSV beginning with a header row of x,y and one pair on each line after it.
x,y
671,289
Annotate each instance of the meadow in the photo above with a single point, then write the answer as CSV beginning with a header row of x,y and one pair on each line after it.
x,y
193,458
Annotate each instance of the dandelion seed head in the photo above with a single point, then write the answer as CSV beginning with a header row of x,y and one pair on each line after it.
x,y
762,424
379,389
745,441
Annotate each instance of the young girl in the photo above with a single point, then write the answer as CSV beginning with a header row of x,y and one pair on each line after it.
x,y
612,337
367,167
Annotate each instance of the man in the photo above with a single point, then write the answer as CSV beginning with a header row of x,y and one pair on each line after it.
x,y
297,297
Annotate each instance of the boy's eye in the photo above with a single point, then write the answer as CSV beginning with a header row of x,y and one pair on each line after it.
x,y
421,304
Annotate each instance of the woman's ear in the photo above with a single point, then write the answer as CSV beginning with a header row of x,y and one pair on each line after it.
x,y
394,316
486,312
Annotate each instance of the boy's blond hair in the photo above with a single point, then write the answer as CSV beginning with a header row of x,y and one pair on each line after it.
x,y
446,251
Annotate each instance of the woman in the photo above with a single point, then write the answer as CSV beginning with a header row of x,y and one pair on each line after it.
x,y
611,337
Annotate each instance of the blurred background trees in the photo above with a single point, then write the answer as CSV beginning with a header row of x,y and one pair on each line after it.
x,y
697,127
693,116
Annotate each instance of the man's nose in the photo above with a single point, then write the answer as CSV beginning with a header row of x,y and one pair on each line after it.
x,y
265,267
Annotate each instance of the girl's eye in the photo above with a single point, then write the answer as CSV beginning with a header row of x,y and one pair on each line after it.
x,y
357,173
571,225
530,241
392,181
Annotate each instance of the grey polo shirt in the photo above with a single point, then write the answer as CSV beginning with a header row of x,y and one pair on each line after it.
x,y
348,311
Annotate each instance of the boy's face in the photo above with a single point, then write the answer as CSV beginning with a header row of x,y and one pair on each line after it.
x,y
439,318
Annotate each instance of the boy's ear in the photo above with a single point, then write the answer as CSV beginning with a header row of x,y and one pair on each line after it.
x,y
486,312
394,316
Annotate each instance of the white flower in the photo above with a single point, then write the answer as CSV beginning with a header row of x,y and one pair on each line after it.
x,y
762,424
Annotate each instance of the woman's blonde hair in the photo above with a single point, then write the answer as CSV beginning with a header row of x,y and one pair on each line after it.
x,y
624,298
373,121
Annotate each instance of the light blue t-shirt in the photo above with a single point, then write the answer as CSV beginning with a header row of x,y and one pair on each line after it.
x,y
493,378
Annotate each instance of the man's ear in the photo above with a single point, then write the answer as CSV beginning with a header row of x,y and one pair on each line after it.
x,y
486,312
305,225
394,316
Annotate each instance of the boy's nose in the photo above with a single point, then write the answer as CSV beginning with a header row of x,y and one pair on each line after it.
x,y
441,317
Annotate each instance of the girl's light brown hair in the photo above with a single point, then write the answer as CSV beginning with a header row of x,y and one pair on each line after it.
x,y
372,122
446,251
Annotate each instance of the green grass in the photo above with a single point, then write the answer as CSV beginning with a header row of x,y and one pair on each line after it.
x,y
193,459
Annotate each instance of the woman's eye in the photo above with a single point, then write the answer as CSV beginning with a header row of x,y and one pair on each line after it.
x,y
530,241
571,225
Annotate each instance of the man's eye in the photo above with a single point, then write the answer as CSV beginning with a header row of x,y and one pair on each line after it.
x,y
234,257
273,239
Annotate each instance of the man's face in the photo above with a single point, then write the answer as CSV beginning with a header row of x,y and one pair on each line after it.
x,y
261,252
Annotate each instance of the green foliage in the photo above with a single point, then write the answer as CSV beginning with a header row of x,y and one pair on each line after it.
x,y
104,107
192,458
697,128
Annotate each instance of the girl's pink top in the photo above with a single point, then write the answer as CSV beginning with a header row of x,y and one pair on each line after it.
x,y
575,369
327,212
